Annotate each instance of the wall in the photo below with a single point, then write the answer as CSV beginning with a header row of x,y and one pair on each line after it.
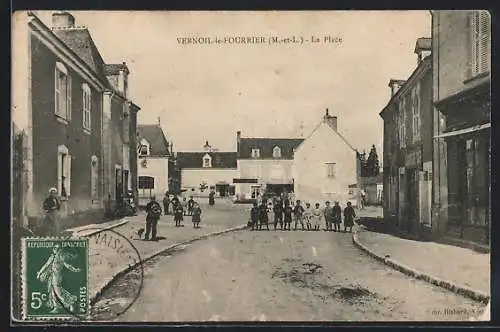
x,y
310,173
266,171
193,177
157,168
48,133
133,150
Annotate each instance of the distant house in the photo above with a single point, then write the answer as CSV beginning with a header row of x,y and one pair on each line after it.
x,y
205,170
326,166
264,164
374,189
154,162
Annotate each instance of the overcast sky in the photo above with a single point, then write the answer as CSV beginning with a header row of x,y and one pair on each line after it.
x,y
209,92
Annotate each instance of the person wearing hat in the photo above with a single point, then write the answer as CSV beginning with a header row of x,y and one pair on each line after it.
x,y
153,210
349,216
328,213
337,216
51,206
298,212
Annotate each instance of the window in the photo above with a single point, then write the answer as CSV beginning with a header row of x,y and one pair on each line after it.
x,y
63,172
87,105
402,123
415,93
330,170
94,178
146,182
481,42
62,92
276,152
255,153
207,161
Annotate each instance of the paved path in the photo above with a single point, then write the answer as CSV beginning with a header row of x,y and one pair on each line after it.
x,y
279,276
106,261
458,265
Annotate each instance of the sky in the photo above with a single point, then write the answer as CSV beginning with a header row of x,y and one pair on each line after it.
x,y
208,92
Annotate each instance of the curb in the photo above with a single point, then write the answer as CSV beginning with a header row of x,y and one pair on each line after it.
x,y
457,289
107,283
98,230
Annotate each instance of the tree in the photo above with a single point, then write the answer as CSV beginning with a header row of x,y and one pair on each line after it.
x,y
372,163
362,160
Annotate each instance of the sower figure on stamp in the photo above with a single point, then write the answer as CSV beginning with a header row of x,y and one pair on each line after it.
x,y
52,274
263,216
349,216
51,207
337,216
153,210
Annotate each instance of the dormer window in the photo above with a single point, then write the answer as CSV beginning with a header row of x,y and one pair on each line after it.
x,y
276,152
144,148
207,161
255,153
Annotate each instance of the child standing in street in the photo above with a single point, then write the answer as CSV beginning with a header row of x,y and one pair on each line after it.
x,y
196,215
349,216
190,206
298,211
287,215
308,216
254,216
317,214
337,216
263,216
178,215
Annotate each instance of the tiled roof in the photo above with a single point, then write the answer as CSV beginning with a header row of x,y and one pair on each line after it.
x,y
80,42
195,159
115,68
158,144
266,146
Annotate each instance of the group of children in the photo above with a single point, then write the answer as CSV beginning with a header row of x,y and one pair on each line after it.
x,y
309,218
187,208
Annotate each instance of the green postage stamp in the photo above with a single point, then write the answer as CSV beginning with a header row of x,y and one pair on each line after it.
x,y
55,278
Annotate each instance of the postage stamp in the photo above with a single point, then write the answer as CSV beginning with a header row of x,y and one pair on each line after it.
x,y
55,278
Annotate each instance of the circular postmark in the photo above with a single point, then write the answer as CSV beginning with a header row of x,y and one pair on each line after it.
x,y
110,252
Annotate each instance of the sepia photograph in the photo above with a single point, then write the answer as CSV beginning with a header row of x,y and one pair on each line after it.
x,y
186,167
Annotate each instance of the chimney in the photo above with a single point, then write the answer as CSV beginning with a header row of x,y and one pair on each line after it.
x,y
63,19
331,120
423,47
395,85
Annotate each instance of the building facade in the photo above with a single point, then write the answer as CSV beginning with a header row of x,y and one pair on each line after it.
x,y
59,106
209,170
408,147
153,163
264,164
462,76
325,166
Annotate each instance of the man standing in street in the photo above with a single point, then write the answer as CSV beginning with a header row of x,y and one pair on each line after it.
x,y
298,211
153,210
328,213
166,203
278,213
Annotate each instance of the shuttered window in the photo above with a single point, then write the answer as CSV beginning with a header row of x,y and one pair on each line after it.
x,y
415,94
63,172
62,92
481,42
87,102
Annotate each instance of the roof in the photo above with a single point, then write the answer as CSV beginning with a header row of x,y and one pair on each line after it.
x,y
81,43
195,159
266,146
115,68
324,121
158,144
423,43
423,66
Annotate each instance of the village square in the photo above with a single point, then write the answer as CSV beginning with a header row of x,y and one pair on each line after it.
x,y
326,224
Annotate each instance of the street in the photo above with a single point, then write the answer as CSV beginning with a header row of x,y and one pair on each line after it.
x,y
277,276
